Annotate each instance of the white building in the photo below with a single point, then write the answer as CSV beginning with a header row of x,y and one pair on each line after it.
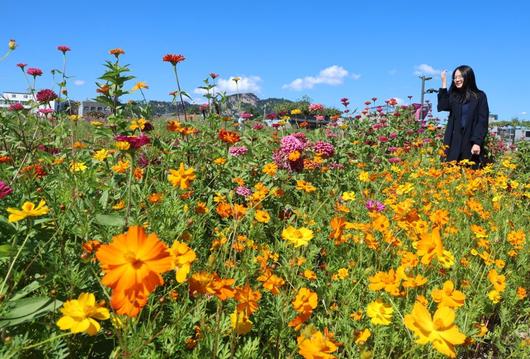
x,y
26,99
87,106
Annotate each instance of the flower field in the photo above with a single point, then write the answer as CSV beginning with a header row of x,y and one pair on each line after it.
x,y
198,237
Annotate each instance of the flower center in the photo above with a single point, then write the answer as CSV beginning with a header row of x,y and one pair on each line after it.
x,y
131,258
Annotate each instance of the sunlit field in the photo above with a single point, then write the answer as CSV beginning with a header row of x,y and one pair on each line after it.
x,y
198,236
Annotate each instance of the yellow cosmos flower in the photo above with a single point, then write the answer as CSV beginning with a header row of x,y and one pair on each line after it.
x,y
28,210
297,236
182,177
219,161
262,216
498,281
348,196
101,155
79,315
364,176
362,336
240,322
314,344
138,124
441,330
122,145
296,111
121,167
78,166
305,186
183,256
139,85
448,295
379,312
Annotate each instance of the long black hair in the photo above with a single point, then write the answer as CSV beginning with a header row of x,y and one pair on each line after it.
x,y
469,87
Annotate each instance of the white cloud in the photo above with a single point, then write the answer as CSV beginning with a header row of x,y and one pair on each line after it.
x,y
524,113
425,69
333,76
245,84
400,101
79,82
356,76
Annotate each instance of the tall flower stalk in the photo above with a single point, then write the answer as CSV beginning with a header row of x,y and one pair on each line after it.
x,y
174,60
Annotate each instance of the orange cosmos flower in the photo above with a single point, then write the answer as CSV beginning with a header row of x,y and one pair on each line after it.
x,y
429,246
116,52
448,295
247,299
174,126
314,345
133,263
271,282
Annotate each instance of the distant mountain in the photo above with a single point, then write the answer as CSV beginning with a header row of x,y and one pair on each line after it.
x,y
249,102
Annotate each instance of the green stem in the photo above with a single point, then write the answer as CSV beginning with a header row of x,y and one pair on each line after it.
x,y
13,262
180,93
47,340
129,182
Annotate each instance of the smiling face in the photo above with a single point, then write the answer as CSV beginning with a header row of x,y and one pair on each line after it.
x,y
458,79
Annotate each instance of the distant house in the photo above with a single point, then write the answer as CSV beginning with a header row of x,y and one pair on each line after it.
x,y
511,134
9,98
86,107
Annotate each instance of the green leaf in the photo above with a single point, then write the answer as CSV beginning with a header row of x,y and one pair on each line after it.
x,y
104,198
110,220
6,251
27,309
26,290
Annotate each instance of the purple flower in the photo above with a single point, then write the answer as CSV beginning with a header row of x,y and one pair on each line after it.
x,y
376,206
243,191
5,190
324,149
237,151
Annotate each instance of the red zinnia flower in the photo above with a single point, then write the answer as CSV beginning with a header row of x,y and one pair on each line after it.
x,y
46,96
63,48
213,75
16,107
174,59
33,71
21,65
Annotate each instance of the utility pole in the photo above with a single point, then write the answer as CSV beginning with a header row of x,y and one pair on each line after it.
x,y
423,79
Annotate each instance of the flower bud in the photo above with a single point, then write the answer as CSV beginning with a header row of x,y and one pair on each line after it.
x,y
12,44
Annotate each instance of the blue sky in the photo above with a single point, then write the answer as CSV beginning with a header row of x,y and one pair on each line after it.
x,y
326,50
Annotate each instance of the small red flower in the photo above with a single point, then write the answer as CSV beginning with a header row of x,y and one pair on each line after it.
x,y
33,71
174,59
21,66
46,96
213,75
63,48
116,52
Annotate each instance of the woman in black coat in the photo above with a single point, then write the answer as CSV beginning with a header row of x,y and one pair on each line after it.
x,y
467,125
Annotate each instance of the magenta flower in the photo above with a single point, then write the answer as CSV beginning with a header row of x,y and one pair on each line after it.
x,y
325,149
394,160
46,95
21,65
17,106
135,141
64,49
376,206
271,116
319,117
33,71
258,126
213,75
45,111
246,115
5,190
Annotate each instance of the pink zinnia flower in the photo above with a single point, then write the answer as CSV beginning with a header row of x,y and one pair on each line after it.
x,y
319,117
46,95
237,151
243,191
5,190
246,115
314,107
376,206
16,107
258,126
325,149
394,160
21,65
33,71
45,111
213,75
63,48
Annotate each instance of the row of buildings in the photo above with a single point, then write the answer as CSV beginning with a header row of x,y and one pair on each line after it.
x,y
82,108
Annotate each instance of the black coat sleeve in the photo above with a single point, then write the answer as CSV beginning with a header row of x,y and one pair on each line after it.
x,y
443,100
480,130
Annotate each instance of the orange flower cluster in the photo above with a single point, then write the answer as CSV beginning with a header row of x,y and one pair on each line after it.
x,y
211,284
304,303
229,137
133,264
